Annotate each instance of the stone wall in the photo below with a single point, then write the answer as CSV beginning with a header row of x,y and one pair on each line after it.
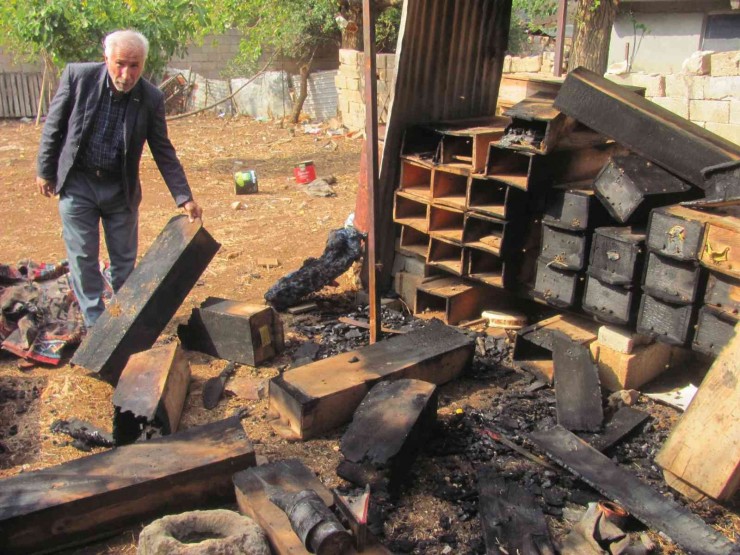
x,y
350,81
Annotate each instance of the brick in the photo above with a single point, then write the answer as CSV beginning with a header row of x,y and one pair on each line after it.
x,y
677,105
699,63
726,63
719,88
620,339
507,64
526,64
735,112
654,84
729,132
349,57
715,111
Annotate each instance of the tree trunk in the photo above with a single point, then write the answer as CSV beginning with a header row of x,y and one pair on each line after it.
x,y
352,34
301,98
593,31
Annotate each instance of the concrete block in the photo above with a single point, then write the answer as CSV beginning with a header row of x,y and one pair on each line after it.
x,y
620,339
699,63
726,63
677,105
340,81
726,130
654,84
507,64
715,111
526,64
678,84
353,84
349,57
630,371
719,88
735,112
390,62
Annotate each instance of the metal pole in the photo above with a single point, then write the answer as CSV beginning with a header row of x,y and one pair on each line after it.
x,y
371,150
557,69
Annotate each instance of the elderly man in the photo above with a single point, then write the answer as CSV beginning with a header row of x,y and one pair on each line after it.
x,y
89,155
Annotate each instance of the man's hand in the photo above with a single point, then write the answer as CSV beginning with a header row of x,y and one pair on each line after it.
x,y
192,210
46,187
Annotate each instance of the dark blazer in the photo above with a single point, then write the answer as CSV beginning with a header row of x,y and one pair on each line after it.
x,y
70,121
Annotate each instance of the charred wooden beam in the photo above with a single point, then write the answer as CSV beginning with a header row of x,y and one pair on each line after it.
x,y
318,397
233,330
96,496
577,387
254,488
623,487
386,433
150,393
621,424
703,449
674,143
149,298
511,518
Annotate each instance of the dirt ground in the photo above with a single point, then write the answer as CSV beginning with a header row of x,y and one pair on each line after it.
x,y
280,222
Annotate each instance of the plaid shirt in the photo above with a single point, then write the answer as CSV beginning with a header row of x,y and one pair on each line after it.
x,y
105,145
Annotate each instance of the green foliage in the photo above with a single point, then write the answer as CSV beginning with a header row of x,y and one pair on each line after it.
x,y
387,25
291,28
527,16
72,30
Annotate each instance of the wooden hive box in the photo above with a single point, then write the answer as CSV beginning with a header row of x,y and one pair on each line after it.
x,y
714,329
673,280
612,304
667,322
617,255
565,250
556,287
630,186
721,246
723,294
574,206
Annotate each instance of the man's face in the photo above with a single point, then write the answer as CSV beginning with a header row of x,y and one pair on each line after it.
x,y
125,65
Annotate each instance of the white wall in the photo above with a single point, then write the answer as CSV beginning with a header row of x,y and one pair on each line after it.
x,y
671,38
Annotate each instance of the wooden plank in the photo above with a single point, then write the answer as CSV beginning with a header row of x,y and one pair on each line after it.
x,y
386,433
624,422
15,95
619,371
99,495
233,330
630,186
511,519
704,446
721,246
150,393
623,487
577,387
318,397
253,489
149,298
3,100
674,143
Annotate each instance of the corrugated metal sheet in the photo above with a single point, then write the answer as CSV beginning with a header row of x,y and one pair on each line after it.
x,y
321,102
449,62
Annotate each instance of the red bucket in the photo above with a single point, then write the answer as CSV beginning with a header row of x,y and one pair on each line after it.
x,y
304,172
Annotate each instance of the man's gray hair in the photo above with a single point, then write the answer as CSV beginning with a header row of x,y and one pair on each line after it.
x,y
127,37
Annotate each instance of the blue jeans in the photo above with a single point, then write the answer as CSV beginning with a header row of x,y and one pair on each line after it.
x,y
84,202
